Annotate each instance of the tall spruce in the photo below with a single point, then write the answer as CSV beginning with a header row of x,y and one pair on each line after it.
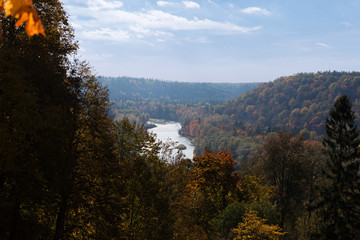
x,y
340,202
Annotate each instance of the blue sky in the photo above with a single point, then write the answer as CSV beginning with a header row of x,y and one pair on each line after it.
x,y
217,40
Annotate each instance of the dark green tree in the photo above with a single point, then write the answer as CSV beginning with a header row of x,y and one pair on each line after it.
x,y
35,122
284,162
143,204
56,156
340,195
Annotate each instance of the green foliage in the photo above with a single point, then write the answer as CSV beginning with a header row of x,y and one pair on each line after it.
x,y
144,199
292,166
340,194
229,218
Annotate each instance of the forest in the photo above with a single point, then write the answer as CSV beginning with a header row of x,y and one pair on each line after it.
x,y
70,170
298,104
126,88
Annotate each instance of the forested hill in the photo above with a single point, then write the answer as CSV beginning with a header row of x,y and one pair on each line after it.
x,y
125,88
298,103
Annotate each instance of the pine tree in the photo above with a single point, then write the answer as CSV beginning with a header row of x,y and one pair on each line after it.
x,y
340,203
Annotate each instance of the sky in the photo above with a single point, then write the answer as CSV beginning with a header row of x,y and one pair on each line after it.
x,y
216,40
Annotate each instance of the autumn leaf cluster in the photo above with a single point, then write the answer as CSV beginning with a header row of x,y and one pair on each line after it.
x,y
23,11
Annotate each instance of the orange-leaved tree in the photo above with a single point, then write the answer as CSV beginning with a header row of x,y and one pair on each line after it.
x,y
23,11
212,186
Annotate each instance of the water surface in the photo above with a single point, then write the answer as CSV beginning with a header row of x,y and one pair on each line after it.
x,y
166,131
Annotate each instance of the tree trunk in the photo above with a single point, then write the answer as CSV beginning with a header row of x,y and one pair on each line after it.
x,y
15,218
60,220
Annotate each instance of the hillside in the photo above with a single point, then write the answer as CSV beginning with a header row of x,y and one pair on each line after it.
x,y
298,102
126,88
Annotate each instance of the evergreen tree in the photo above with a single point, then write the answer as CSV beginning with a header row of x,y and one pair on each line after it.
x,y
340,203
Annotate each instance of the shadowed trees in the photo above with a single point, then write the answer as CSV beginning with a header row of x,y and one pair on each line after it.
x,y
292,166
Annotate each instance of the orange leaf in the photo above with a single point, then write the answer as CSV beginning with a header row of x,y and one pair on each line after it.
x,y
24,11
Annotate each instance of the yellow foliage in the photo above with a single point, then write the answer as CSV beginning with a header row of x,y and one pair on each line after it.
x,y
23,11
254,189
254,228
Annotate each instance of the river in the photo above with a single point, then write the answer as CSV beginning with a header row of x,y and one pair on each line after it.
x,y
166,131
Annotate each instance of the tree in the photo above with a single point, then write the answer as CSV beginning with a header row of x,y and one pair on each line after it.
x,y
143,191
281,160
254,228
86,180
56,144
36,122
212,188
340,195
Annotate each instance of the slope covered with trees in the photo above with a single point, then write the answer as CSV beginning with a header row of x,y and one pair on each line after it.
x,y
296,103
125,88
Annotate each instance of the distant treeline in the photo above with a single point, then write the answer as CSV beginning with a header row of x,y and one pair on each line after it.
x,y
127,88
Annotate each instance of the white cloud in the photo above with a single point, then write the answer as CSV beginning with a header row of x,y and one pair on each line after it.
x,y
198,40
191,4
322,44
256,10
100,22
347,24
102,4
156,19
107,34
163,3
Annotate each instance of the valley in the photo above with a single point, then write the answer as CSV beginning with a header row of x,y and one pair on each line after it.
x,y
89,157
297,103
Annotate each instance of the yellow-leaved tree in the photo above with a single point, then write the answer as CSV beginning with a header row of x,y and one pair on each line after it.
x,y
23,11
255,228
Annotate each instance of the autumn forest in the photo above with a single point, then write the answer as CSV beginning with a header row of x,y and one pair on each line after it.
x,y
275,160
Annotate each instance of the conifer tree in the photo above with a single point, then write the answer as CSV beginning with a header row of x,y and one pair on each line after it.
x,y
340,203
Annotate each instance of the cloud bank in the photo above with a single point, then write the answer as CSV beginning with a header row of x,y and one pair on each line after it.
x,y
163,3
256,10
191,4
102,20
